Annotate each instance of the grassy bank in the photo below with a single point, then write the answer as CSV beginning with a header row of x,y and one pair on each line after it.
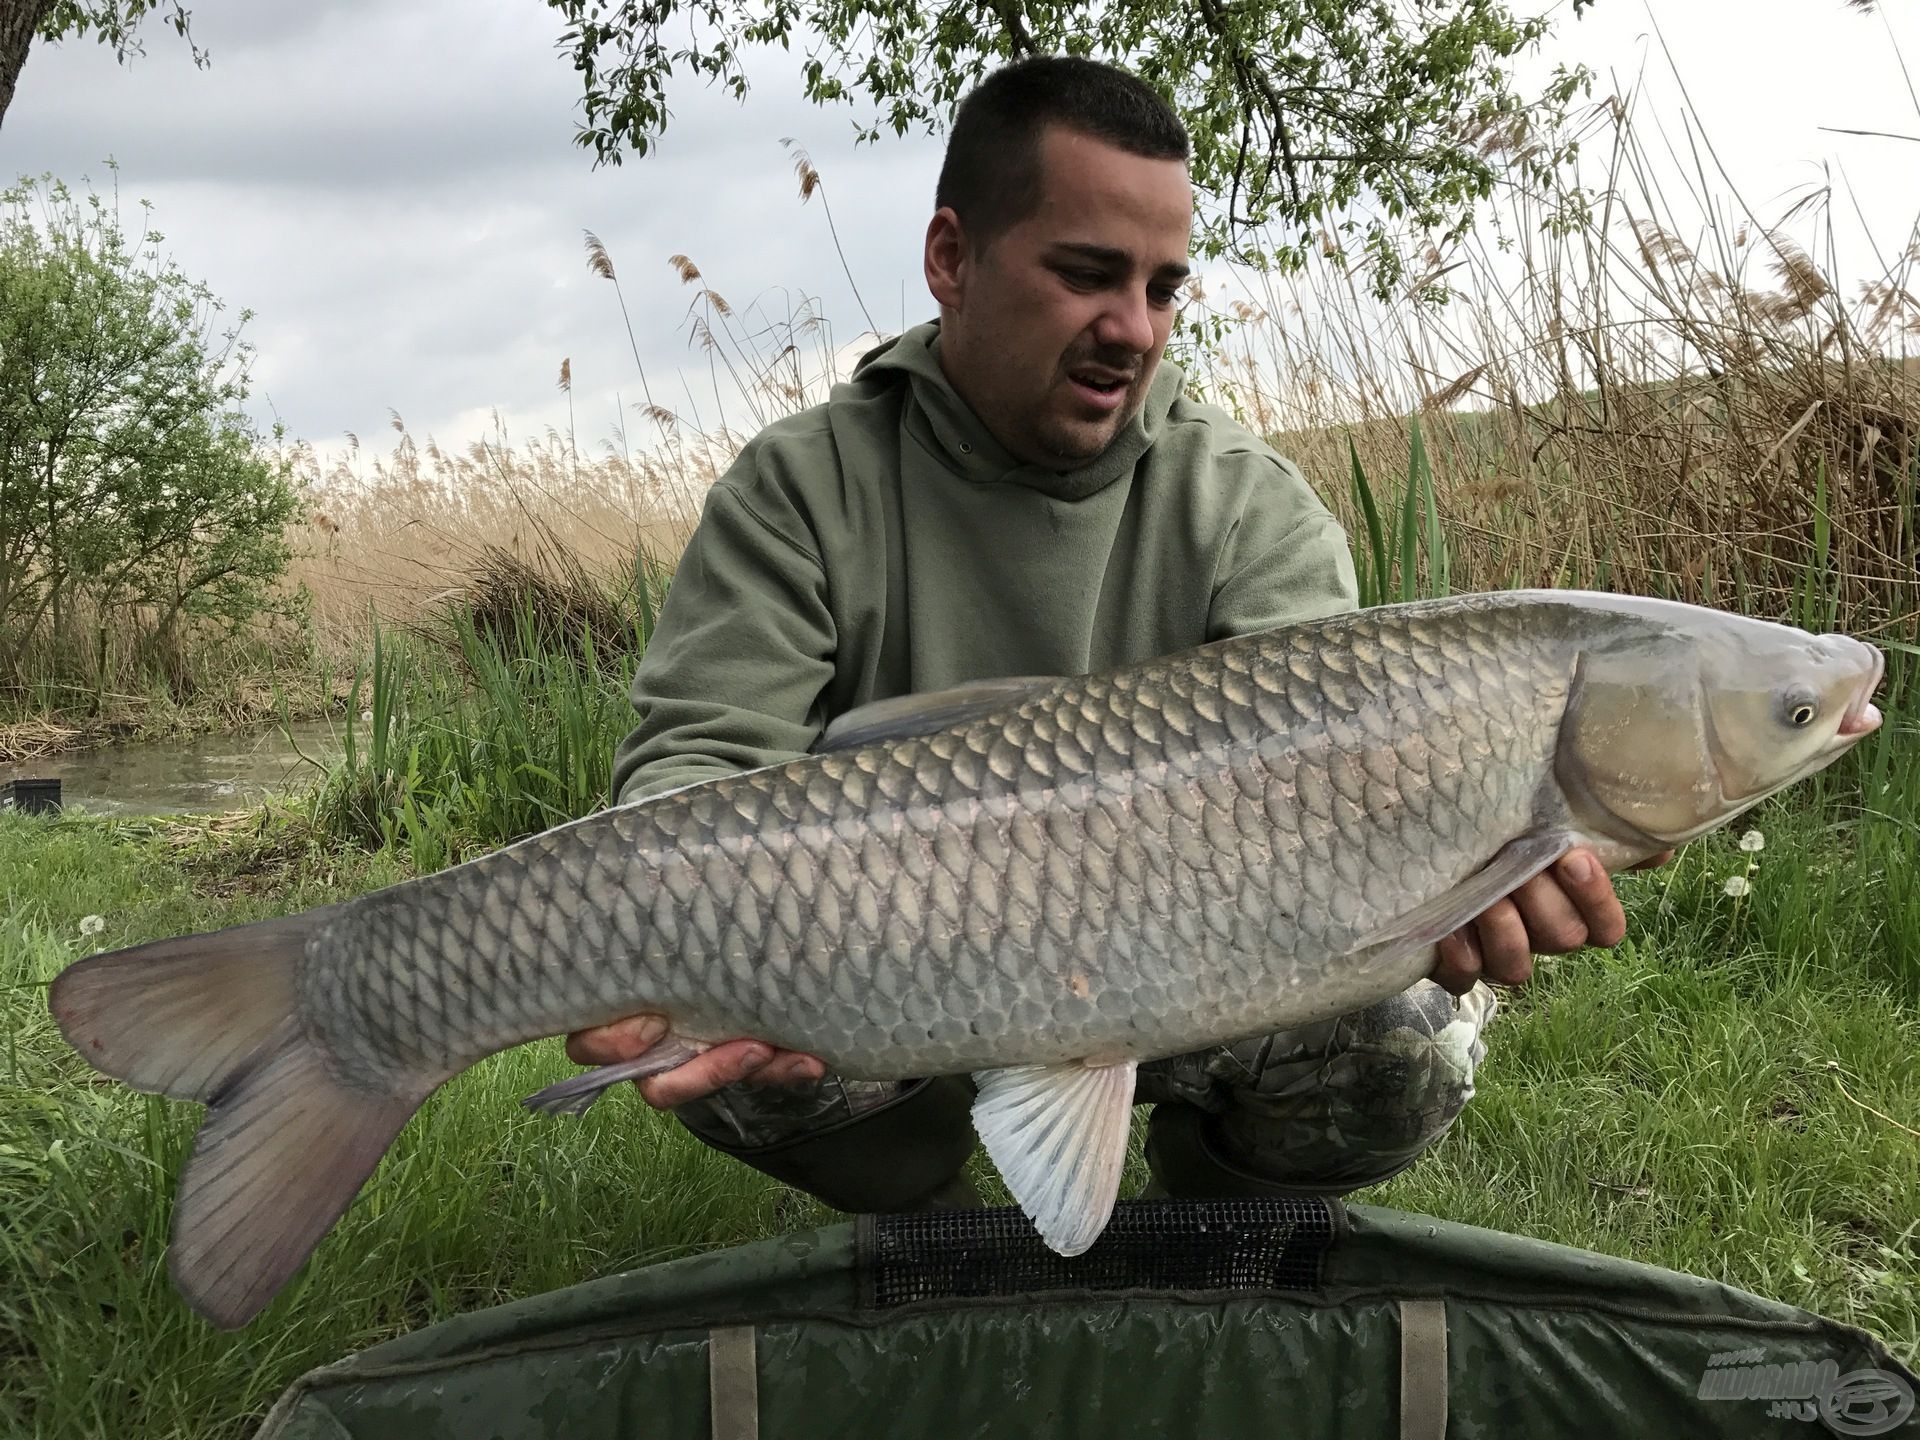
x,y
479,1201
1726,1093
254,693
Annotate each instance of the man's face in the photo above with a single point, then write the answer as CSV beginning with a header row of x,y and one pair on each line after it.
x,y
1053,335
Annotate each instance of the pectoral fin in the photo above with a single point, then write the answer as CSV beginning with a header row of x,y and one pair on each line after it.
x,y
1516,863
1058,1135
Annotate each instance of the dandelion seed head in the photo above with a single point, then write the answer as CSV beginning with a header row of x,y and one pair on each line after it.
x,y
93,924
1752,841
1737,885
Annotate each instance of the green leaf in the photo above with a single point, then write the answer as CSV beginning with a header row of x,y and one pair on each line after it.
x,y
1295,108
1373,576
1409,532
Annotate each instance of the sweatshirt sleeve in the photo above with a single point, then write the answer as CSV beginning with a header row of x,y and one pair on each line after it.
x,y
732,677
1288,559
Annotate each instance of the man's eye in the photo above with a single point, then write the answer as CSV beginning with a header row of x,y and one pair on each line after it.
x,y
1088,279
1162,295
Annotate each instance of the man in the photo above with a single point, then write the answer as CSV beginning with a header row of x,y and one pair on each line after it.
x,y
1021,488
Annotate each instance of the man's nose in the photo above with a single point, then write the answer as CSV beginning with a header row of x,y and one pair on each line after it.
x,y
1126,324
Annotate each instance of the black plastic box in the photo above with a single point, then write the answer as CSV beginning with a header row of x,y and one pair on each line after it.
x,y
32,797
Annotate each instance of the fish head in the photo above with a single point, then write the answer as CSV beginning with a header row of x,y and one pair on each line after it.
x,y
1674,727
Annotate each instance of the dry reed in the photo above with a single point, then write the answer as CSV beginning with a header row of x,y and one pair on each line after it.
x,y
1613,405
403,532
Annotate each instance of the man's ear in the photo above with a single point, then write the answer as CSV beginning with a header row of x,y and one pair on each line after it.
x,y
947,257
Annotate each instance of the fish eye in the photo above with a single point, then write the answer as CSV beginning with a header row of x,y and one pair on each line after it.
x,y
1799,705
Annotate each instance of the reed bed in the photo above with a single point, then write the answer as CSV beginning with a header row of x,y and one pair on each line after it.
x,y
409,532
405,531
1610,404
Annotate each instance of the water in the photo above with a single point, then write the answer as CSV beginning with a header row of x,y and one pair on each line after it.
x,y
176,777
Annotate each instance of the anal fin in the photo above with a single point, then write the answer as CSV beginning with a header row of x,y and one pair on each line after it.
x,y
576,1094
1058,1136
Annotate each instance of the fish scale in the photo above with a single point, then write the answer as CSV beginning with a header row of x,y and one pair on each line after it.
x,y
940,915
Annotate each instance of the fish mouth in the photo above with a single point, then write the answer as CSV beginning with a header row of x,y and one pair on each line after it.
x,y
1863,716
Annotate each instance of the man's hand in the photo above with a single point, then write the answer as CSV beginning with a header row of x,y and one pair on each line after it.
x,y
1566,906
725,1063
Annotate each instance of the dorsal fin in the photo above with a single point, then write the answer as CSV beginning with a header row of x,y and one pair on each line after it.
x,y
903,715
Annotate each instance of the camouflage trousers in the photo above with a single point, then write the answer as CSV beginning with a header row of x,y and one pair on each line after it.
x,y
1322,1109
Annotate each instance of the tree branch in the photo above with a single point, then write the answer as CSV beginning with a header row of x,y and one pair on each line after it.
x,y
19,23
1008,12
1252,78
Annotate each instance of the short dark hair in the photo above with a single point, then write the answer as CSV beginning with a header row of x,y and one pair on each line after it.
x,y
991,174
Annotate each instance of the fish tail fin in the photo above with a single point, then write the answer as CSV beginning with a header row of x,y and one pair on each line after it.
x,y
184,1016
279,1158
286,1143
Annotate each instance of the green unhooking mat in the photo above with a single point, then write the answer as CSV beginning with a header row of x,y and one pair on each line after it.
x,y
1231,1319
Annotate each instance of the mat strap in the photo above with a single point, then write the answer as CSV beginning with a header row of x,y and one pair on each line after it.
x,y
733,1383
1423,1370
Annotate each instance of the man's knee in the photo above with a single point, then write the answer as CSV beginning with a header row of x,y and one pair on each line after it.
x,y
859,1146
1326,1108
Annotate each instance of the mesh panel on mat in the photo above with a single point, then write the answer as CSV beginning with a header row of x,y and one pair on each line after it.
x,y
1191,1245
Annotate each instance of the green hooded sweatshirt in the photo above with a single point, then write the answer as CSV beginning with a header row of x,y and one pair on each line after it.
x,y
884,544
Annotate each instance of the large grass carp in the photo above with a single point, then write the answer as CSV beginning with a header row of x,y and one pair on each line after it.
x,y
1041,882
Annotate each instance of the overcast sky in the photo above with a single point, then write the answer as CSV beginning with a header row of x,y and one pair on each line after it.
x,y
394,191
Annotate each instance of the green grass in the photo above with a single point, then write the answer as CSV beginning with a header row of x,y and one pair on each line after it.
x,y
1678,1100
488,729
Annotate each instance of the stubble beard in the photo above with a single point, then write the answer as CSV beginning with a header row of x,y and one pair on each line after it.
x,y
1075,444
